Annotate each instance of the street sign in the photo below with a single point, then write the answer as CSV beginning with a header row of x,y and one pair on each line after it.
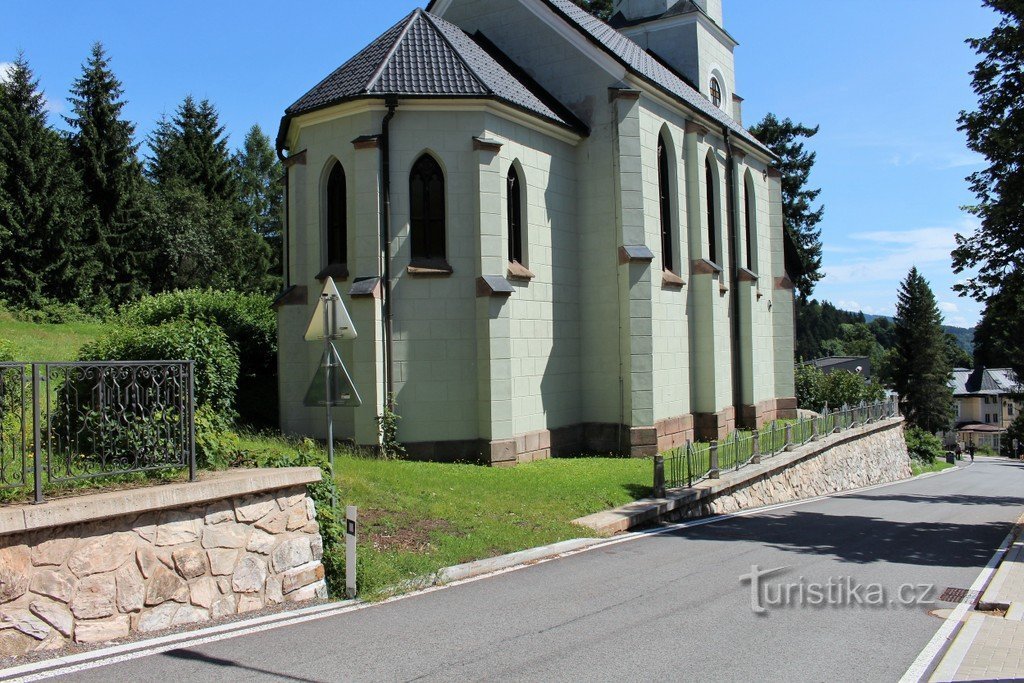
x,y
332,386
336,320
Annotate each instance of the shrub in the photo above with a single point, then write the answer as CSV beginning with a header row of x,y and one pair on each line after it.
x,y
7,351
217,447
815,389
60,313
216,362
249,323
923,446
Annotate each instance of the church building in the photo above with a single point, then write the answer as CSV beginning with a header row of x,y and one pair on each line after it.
x,y
553,234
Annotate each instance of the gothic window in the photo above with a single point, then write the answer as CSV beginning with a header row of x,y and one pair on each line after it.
x,y
664,190
337,217
748,192
716,92
427,211
711,190
514,217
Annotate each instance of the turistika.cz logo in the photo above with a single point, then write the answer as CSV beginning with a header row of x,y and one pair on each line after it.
x,y
842,591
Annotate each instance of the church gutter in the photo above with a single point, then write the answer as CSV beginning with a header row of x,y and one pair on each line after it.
x,y
385,246
734,326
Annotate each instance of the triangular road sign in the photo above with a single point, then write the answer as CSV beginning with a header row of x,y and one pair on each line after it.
x,y
341,393
339,324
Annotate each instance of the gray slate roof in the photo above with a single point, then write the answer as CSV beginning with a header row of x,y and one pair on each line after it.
x,y
984,382
637,60
424,56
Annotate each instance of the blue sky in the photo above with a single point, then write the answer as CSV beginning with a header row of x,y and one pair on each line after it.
x,y
884,80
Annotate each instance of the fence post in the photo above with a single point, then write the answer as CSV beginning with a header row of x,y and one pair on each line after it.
x,y
659,476
37,438
714,472
815,428
192,420
756,457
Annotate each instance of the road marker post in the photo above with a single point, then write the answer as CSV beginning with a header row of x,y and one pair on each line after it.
x,y
351,517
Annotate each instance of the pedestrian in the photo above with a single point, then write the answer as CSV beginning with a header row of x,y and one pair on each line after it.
x,y
959,451
970,451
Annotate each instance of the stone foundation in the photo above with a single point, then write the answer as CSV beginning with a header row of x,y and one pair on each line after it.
x,y
96,568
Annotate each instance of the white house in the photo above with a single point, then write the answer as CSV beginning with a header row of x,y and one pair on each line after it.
x,y
554,236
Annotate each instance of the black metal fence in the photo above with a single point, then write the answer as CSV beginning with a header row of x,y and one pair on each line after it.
x,y
67,422
689,464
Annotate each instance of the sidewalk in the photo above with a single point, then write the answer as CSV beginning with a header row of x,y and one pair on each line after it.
x,y
990,646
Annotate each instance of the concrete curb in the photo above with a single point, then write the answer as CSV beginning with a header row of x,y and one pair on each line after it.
x,y
468,570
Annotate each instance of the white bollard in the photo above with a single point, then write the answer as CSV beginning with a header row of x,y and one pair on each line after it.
x,y
350,551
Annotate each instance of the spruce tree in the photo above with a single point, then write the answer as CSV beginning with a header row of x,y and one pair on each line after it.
x,y
39,197
104,154
191,149
800,217
922,371
259,179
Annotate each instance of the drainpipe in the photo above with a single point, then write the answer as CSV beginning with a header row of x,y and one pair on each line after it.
x,y
385,246
734,327
286,274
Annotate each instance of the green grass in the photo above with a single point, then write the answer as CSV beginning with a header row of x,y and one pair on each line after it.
x,y
417,518
919,467
46,342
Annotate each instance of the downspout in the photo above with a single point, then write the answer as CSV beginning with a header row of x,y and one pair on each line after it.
x,y
734,281
286,274
385,247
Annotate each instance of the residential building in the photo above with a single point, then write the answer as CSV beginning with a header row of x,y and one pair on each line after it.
x,y
553,236
987,401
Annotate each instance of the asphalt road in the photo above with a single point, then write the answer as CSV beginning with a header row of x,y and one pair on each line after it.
x,y
661,607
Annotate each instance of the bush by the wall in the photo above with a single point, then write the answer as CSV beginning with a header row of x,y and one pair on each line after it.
x,y
249,323
216,361
923,446
816,389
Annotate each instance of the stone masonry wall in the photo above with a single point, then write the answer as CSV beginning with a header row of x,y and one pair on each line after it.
x,y
100,580
875,458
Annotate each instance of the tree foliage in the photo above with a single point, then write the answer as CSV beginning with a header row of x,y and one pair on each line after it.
x,y
922,366
786,139
816,390
259,179
1000,333
602,9
996,131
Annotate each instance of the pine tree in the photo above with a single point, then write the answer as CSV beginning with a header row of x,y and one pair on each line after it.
x,y
39,197
784,138
922,371
259,179
104,153
191,149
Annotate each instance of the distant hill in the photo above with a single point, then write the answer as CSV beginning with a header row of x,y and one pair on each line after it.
x,y
964,335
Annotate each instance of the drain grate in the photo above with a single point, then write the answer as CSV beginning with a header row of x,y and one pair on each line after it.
x,y
954,594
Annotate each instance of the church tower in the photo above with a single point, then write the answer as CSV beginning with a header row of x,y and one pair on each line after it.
x,y
689,36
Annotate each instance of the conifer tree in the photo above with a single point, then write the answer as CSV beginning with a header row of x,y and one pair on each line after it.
x,y
191,149
103,151
260,186
922,371
39,197
799,215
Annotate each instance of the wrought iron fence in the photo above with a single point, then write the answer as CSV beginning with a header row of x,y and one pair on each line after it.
x,y
66,422
688,464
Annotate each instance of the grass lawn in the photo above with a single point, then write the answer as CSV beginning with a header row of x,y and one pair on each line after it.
x,y
44,342
417,518
918,467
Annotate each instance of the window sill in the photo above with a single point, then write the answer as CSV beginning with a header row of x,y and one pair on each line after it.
x,y
702,266
671,280
429,268
747,275
337,271
518,271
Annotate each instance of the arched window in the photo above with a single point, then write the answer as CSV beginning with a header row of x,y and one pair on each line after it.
x,y
711,190
664,190
426,209
748,192
515,217
716,92
337,217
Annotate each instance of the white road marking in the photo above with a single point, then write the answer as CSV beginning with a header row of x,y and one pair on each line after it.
x,y
116,654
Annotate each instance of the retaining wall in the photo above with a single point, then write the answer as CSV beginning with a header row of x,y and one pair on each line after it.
x,y
96,568
871,454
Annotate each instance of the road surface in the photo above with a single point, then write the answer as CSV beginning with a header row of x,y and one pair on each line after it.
x,y
669,606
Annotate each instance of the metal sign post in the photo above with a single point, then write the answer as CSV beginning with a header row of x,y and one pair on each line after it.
x,y
328,305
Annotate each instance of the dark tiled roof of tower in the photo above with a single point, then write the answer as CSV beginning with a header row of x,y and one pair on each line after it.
x,y
637,60
425,56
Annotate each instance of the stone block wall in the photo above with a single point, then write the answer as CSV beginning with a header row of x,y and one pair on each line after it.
x,y
100,580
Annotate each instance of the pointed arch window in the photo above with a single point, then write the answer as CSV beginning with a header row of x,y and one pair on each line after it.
x,y
337,217
427,210
712,212
514,216
665,194
748,223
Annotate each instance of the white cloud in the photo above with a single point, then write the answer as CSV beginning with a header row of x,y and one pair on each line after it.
x,y
948,307
51,106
